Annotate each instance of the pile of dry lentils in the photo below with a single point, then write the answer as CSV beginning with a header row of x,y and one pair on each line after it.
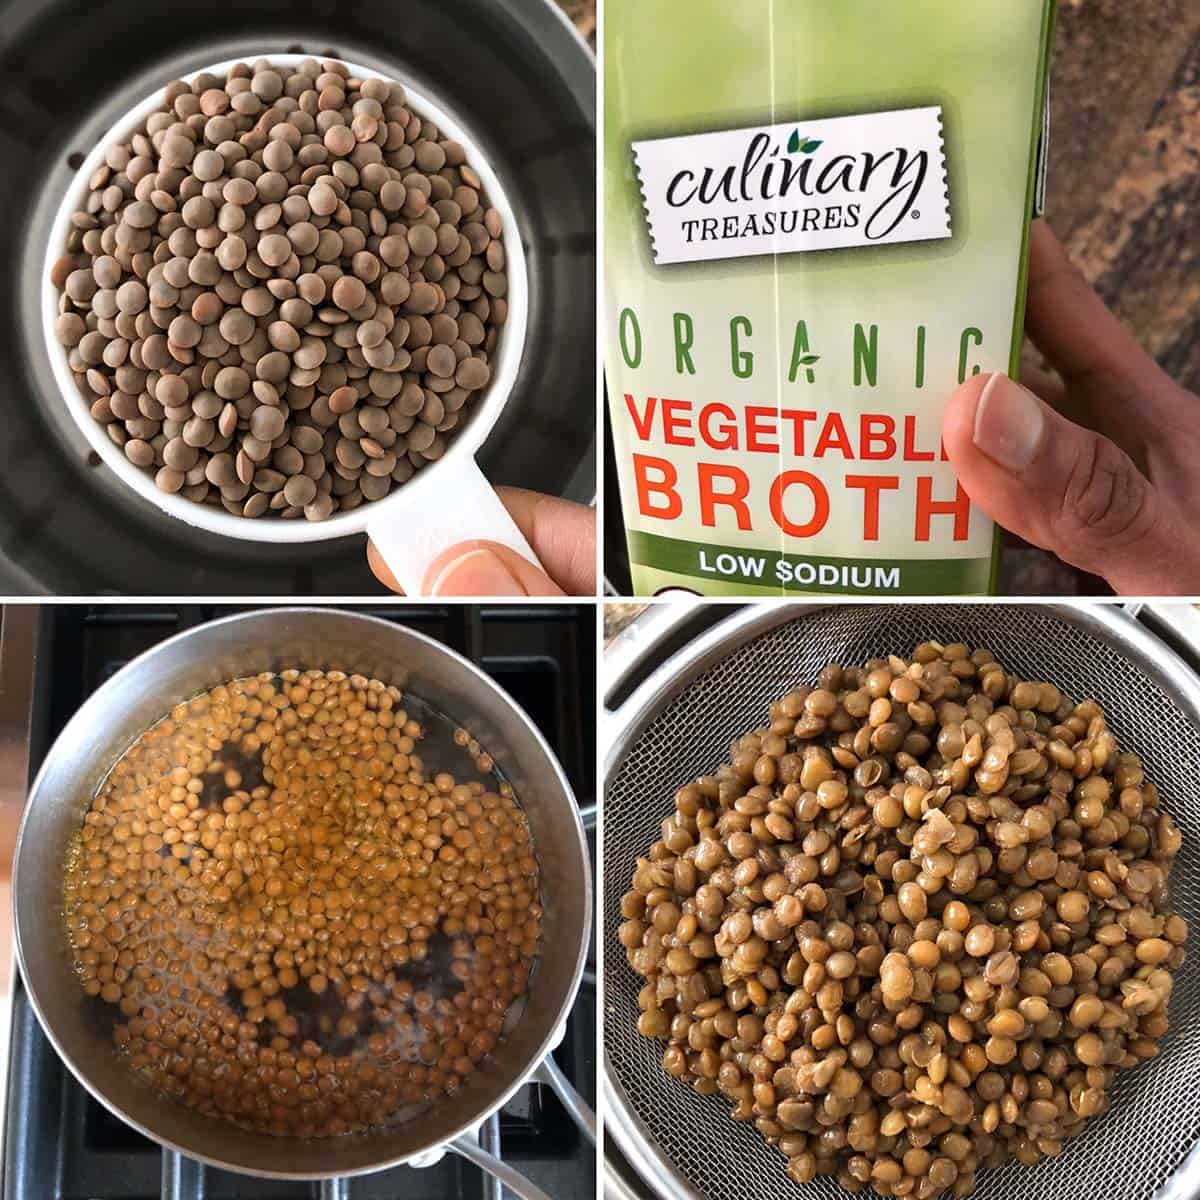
x,y
303,927
916,924
282,293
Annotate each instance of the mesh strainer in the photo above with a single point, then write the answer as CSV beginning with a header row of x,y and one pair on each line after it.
x,y
677,724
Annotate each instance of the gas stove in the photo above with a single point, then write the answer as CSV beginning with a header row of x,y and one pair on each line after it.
x,y
60,1143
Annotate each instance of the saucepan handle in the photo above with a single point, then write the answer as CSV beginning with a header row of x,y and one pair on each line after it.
x,y
577,1108
468,1148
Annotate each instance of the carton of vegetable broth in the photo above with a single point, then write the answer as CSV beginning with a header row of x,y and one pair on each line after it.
x,y
816,222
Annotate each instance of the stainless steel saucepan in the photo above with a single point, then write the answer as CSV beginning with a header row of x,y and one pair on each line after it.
x,y
273,640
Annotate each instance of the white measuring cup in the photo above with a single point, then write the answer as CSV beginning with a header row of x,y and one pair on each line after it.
x,y
445,502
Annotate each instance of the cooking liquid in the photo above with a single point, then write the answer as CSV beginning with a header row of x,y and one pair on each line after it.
x,y
368,1046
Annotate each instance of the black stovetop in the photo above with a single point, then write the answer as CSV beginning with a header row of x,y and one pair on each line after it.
x,y
60,1144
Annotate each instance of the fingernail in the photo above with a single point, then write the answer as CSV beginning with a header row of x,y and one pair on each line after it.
x,y
476,573
1009,423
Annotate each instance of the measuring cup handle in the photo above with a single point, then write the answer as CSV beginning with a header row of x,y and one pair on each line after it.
x,y
454,503
512,1179
577,1108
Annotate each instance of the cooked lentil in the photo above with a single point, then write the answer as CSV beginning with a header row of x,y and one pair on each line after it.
x,y
304,928
914,926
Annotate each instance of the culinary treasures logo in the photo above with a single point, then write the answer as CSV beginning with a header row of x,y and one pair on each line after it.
x,y
870,179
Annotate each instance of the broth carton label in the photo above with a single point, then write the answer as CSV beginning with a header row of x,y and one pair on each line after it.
x,y
871,179
816,225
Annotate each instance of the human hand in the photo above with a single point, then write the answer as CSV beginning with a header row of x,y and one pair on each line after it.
x,y
562,534
1117,493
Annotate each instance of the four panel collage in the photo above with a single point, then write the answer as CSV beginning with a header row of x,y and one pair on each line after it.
x,y
600,598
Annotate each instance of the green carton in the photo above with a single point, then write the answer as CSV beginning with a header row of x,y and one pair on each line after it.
x,y
816,221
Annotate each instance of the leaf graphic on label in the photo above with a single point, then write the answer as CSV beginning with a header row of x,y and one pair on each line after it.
x,y
793,144
809,359
811,145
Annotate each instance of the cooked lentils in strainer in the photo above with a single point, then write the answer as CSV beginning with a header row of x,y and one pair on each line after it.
x,y
303,928
282,294
915,926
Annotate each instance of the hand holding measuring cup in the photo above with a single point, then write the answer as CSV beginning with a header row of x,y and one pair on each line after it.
x,y
562,534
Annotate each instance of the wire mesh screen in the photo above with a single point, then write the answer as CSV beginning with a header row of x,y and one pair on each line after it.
x,y
1155,1118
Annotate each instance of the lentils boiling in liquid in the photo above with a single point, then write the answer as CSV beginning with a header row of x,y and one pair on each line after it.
x,y
916,924
302,928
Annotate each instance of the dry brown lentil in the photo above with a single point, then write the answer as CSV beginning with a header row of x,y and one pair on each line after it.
x,y
235,232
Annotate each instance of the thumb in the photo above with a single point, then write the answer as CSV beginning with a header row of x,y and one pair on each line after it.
x,y
486,569
1059,486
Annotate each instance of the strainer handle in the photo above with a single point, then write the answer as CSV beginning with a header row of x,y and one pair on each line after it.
x,y
577,1108
512,1179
